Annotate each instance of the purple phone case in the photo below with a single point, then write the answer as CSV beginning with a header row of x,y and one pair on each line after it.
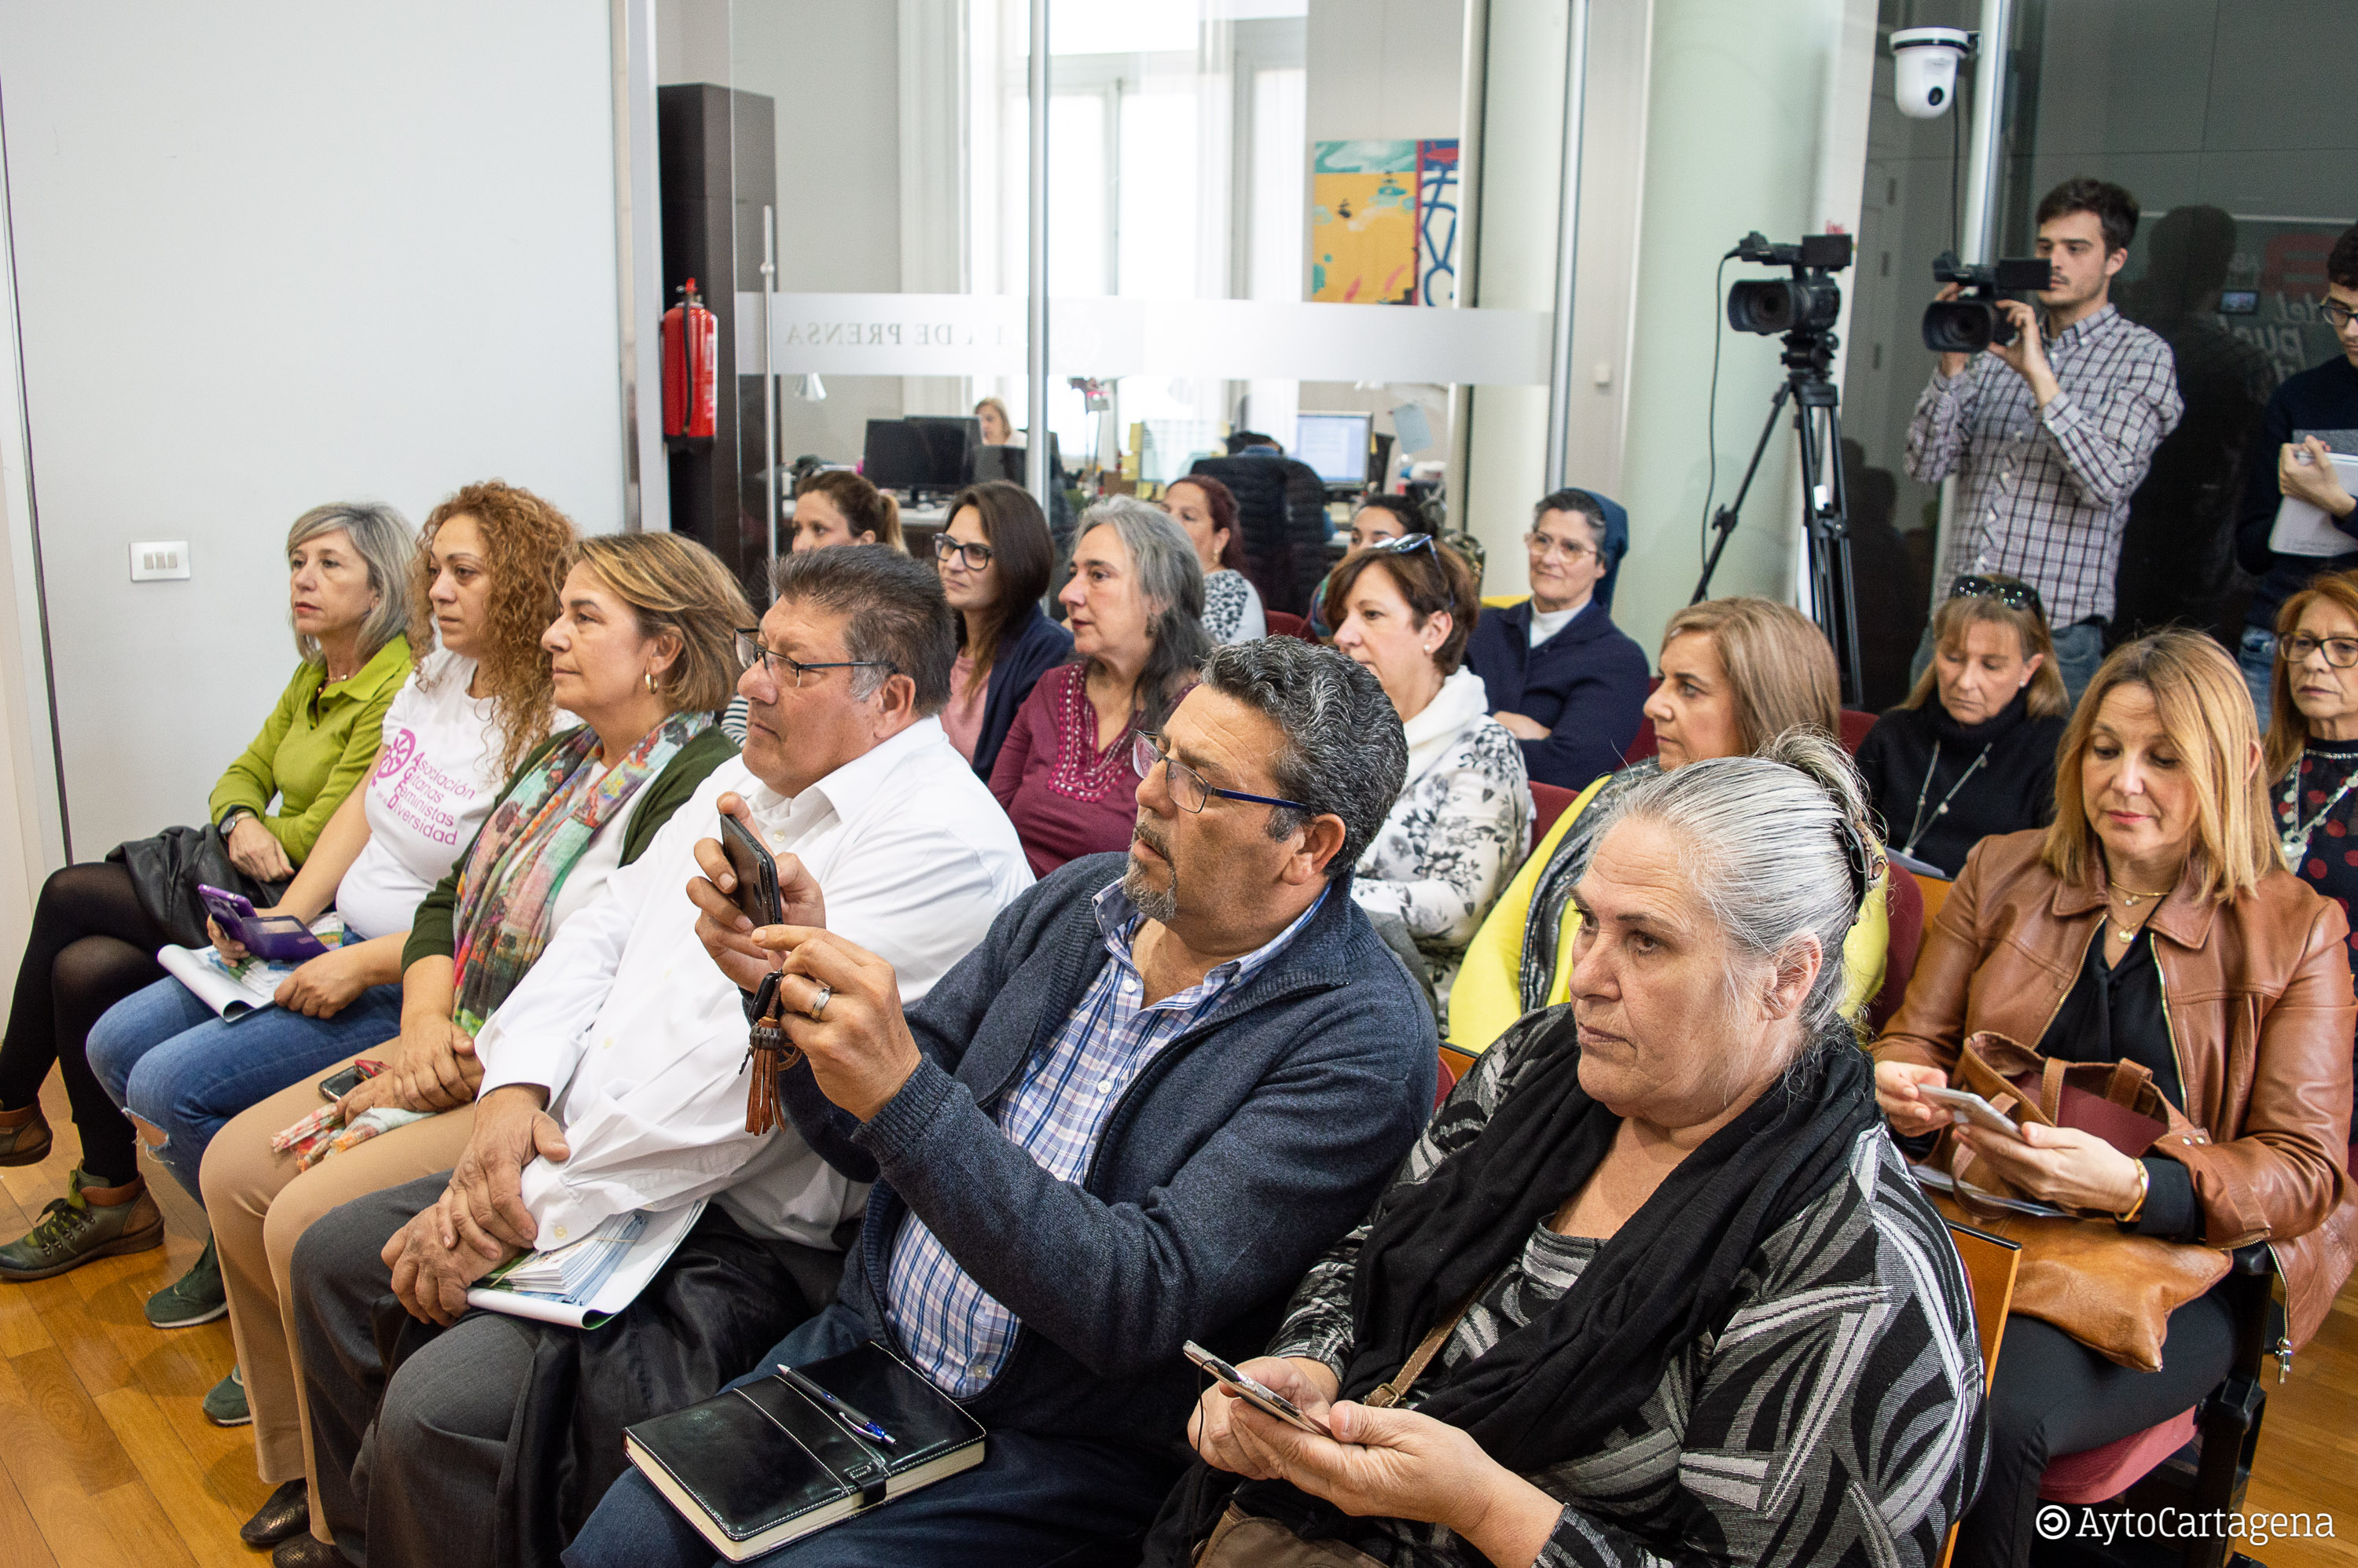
x,y
283,939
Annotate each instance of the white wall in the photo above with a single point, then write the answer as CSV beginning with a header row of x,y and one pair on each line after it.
x,y
270,254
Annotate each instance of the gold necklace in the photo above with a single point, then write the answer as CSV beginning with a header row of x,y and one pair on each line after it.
x,y
2130,895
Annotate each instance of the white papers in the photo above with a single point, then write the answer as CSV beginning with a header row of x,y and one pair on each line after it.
x,y
1939,1181
584,1282
2305,530
232,990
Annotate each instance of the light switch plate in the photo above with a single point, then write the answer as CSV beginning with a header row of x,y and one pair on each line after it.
x,y
159,558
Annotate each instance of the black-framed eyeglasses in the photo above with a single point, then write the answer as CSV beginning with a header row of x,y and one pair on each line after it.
x,y
2337,315
750,649
1189,790
2013,595
976,556
2342,652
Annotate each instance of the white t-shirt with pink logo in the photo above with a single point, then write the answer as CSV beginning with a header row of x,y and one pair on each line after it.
x,y
435,782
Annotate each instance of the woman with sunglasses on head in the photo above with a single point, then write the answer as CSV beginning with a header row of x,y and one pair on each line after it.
x,y
1065,775
1970,753
1563,678
1206,509
994,560
1457,830
1379,518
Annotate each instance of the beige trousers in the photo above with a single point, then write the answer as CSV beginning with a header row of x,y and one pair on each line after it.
x,y
260,1205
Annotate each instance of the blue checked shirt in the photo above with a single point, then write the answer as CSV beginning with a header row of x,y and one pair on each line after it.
x,y
2043,494
956,1333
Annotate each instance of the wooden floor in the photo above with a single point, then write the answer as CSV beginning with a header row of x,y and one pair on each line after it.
x,y
105,1457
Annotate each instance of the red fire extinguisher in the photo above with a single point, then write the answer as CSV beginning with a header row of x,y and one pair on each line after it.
x,y
691,353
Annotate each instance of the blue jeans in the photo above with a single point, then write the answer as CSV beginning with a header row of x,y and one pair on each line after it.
x,y
2079,652
1033,1500
169,1061
2257,655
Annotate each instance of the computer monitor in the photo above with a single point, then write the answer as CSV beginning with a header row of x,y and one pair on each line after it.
x,y
921,452
1335,445
893,457
1009,462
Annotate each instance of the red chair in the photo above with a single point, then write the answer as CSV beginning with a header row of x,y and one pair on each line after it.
x,y
1643,745
1904,907
1855,725
1444,1082
1280,625
1548,803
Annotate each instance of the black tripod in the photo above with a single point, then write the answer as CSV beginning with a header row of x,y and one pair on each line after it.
x,y
1825,514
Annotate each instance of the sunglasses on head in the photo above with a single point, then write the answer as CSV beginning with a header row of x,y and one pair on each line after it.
x,y
1401,546
2013,595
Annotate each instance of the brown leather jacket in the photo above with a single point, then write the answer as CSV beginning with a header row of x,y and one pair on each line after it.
x,y
2258,995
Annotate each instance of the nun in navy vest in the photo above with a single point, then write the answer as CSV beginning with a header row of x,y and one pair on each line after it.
x,y
1563,678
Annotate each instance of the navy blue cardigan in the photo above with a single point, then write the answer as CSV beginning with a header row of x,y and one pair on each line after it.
x,y
1242,1150
1586,684
1027,651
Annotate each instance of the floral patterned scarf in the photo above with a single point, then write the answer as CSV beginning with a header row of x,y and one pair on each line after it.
x,y
528,847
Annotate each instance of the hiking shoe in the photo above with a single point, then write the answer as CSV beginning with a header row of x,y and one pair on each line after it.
x,y
225,1406
89,1222
24,1136
197,1296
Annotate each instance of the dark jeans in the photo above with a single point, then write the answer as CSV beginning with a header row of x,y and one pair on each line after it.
x,y
2050,1396
92,945
1032,1500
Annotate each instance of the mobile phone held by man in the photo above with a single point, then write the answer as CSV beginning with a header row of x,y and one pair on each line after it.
x,y
1259,1395
757,894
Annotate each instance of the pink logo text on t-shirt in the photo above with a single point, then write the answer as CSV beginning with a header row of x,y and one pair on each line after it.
x,y
417,799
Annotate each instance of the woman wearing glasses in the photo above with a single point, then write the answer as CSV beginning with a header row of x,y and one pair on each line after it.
x,y
1403,610
1206,509
642,652
1563,678
1379,518
1970,753
1135,604
994,559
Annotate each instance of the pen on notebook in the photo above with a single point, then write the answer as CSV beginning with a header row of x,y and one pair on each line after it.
x,y
865,1426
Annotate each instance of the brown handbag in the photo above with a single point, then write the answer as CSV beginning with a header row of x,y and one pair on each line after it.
x,y
1249,1541
2110,1290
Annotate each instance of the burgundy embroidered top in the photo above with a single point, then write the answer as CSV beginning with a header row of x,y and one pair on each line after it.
x,y
1065,797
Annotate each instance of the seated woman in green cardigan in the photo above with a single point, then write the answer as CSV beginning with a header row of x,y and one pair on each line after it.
x,y
96,928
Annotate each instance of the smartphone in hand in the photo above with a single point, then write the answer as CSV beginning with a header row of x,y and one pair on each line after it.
x,y
279,937
1966,1107
1259,1395
757,892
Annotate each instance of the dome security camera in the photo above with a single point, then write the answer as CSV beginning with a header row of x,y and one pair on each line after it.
x,y
1924,74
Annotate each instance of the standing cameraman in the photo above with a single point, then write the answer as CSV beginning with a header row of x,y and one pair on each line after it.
x,y
2053,433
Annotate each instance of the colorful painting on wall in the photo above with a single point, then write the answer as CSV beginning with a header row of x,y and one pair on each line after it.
x,y
1383,222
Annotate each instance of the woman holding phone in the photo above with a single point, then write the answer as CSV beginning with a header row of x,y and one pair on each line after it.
x,y
2151,922
482,588
97,927
642,652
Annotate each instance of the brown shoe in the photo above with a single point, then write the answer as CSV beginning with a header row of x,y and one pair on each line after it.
x,y
24,1136
89,1222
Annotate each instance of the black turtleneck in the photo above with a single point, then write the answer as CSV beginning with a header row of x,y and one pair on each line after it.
x,y
2014,787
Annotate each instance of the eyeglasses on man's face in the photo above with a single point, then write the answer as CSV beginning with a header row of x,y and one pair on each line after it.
x,y
2342,652
778,667
976,556
1542,545
2337,315
1189,790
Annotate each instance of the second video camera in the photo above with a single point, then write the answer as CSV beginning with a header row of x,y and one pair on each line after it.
x,y
1971,322
1809,302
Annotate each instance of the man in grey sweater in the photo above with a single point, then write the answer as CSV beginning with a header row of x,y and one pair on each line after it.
x,y
1128,1120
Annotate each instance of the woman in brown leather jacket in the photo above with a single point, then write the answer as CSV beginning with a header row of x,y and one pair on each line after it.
x,y
2153,921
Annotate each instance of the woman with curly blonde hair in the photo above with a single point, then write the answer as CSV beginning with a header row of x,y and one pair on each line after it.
x,y
482,591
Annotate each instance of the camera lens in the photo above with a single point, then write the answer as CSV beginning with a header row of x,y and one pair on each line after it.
x,y
1770,306
1964,325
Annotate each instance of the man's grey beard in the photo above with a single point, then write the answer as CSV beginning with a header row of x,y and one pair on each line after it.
x,y
1158,904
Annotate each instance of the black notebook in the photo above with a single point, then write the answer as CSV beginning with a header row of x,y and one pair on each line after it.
x,y
758,1467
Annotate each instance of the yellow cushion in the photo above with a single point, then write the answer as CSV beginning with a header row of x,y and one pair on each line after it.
x,y
1502,601
1488,993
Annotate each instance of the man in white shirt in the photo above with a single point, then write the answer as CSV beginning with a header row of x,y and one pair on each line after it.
x,y
619,1061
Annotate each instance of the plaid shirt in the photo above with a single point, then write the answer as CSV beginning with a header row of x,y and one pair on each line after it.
x,y
2043,494
954,1333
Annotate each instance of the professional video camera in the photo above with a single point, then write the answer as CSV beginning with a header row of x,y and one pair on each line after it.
x,y
1973,321
1809,301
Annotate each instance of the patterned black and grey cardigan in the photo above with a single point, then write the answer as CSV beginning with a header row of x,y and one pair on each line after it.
x,y
1831,1418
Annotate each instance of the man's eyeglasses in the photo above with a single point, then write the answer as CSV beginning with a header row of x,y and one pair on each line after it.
x,y
2337,315
2013,595
2342,652
977,557
1542,545
1189,790
749,650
